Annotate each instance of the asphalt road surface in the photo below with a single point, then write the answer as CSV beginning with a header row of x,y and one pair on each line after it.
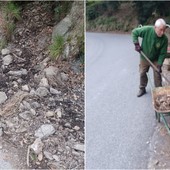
x,y
119,126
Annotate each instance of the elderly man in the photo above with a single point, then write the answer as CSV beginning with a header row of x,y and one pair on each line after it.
x,y
154,45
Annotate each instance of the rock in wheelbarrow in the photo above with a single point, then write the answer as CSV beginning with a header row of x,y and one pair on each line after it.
x,y
162,102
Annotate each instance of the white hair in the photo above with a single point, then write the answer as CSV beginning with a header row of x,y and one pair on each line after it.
x,y
160,22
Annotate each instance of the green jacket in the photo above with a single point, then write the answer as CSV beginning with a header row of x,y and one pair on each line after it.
x,y
153,46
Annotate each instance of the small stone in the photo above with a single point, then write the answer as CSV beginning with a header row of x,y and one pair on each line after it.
x,y
25,115
38,163
5,51
32,92
42,91
44,82
3,97
48,155
25,88
7,60
37,146
33,112
26,105
54,91
155,162
15,84
59,112
21,130
64,76
56,158
44,131
1,131
40,156
18,73
35,105
50,114
76,128
75,153
75,97
79,147
68,125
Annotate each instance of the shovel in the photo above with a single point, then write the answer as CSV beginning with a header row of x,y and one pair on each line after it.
x,y
155,68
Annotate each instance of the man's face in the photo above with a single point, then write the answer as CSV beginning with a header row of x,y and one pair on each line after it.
x,y
160,30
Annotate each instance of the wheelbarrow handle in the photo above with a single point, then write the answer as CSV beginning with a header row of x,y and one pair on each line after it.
x,y
154,67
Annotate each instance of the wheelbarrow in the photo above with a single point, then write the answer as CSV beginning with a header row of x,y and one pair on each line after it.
x,y
157,93
161,113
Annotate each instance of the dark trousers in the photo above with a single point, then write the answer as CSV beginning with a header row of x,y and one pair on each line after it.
x,y
143,69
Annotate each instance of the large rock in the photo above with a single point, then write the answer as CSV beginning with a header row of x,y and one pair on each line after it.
x,y
62,28
53,76
72,26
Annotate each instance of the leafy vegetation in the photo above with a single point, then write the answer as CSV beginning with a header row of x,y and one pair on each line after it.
x,y
154,9
110,16
98,8
11,12
57,47
61,9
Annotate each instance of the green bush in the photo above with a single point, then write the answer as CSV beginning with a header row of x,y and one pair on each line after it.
x,y
91,12
146,9
11,13
98,8
57,47
61,10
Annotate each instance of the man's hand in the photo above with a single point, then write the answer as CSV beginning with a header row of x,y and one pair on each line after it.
x,y
137,47
159,68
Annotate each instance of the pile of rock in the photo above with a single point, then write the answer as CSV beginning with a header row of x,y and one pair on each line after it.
x,y
162,102
38,116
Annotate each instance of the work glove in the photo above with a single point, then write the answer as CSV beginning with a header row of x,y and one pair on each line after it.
x,y
159,68
137,47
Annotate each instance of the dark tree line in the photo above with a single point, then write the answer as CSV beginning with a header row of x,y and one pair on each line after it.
x,y
144,9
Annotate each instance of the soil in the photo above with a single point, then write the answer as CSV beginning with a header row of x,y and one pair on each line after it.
x,y
23,114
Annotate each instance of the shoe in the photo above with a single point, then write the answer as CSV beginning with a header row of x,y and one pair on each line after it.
x,y
142,91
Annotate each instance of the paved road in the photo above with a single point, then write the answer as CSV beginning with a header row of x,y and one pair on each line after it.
x,y
119,125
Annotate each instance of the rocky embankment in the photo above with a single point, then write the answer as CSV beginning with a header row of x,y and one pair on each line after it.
x,y
41,100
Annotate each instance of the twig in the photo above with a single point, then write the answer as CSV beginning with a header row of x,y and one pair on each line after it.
x,y
18,57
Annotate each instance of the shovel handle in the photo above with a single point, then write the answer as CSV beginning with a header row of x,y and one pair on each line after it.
x,y
154,67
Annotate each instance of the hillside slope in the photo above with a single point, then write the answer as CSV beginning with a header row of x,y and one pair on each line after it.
x,y
42,99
